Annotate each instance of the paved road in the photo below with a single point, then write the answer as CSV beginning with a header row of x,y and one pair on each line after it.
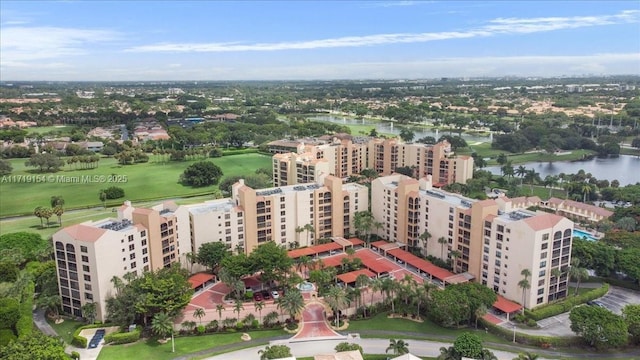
x,y
314,323
44,327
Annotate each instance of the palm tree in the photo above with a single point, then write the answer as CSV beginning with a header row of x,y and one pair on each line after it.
x,y
449,353
304,261
375,285
556,273
219,309
442,241
521,171
337,299
551,181
578,274
259,305
455,254
50,304
425,236
199,313
524,285
362,281
191,258
89,311
398,347
310,229
586,189
57,200
532,176
237,307
58,211
117,284
292,303
162,324
38,211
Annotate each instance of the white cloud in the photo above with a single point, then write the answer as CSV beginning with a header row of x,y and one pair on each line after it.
x,y
388,4
24,45
500,26
544,66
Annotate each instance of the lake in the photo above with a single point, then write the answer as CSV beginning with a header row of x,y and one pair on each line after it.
x,y
625,168
386,126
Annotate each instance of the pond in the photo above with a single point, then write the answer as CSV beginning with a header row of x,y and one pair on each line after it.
x,y
625,168
386,126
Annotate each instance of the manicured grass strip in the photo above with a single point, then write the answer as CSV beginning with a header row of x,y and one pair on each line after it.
x,y
380,322
66,328
152,349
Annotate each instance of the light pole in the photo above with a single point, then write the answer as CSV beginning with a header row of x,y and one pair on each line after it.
x,y
173,344
514,333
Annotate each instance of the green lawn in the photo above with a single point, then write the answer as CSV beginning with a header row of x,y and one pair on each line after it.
x,y
152,180
485,150
152,349
381,322
66,328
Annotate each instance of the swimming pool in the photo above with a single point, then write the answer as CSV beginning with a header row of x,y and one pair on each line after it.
x,y
583,235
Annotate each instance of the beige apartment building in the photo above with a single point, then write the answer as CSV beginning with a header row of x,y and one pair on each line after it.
x,y
491,240
343,158
90,254
280,214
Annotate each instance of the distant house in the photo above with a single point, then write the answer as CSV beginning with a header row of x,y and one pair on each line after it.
x,y
577,210
95,146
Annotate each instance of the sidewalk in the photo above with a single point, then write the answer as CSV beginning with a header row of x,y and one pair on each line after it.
x,y
41,323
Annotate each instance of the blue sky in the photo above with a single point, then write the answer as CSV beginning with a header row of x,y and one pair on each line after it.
x,y
290,40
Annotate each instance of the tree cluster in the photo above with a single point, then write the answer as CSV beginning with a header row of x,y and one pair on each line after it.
x,y
139,298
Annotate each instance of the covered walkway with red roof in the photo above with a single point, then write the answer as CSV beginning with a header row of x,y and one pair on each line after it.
x,y
423,265
350,277
507,306
337,244
200,280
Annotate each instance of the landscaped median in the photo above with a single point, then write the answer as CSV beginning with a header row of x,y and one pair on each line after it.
x,y
553,309
186,345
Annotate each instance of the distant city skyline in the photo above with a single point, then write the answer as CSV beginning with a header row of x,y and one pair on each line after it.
x,y
305,40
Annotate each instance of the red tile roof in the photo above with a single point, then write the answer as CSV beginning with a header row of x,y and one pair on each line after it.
x,y
199,279
313,250
351,277
356,241
84,232
422,264
506,305
543,221
333,261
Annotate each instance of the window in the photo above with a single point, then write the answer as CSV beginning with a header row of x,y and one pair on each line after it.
x,y
83,249
545,246
543,264
85,258
131,247
88,296
144,251
545,237
144,242
145,260
500,228
87,277
143,233
227,223
132,256
87,287
542,273
540,300
85,268
133,265
130,238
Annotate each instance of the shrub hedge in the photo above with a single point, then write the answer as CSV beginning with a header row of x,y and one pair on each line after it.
x,y
239,151
123,337
24,325
534,340
6,336
563,306
81,341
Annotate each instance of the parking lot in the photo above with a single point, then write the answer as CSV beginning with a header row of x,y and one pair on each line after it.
x,y
617,298
559,325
